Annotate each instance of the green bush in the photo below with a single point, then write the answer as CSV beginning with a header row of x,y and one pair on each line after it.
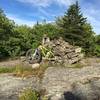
x,y
29,94
97,50
6,69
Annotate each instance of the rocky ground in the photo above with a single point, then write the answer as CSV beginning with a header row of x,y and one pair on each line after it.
x,y
9,63
11,86
60,83
82,83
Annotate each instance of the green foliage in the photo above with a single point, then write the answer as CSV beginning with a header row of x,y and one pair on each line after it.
x,y
97,39
18,69
22,39
6,69
97,46
40,29
97,50
88,40
16,40
6,30
24,71
75,29
29,94
72,25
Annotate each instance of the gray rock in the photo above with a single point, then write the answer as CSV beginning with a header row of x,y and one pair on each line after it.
x,y
11,86
36,65
72,84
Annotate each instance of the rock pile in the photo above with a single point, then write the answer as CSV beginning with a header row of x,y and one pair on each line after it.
x,y
64,52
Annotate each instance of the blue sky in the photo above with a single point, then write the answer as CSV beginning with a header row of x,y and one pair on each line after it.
x,y
29,11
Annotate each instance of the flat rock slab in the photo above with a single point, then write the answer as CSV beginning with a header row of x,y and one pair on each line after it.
x,y
60,83
11,86
80,83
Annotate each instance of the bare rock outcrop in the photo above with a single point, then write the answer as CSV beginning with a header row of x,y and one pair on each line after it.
x,y
60,83
11,86
72,84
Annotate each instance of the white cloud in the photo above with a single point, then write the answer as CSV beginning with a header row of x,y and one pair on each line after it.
x,y
41,3
46,3
20,21
65,2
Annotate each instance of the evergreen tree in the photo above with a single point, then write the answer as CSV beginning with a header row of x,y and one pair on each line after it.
x,y
72,24
97,45
75,29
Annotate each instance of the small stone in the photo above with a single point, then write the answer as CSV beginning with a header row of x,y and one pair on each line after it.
x,y
36,65
23,58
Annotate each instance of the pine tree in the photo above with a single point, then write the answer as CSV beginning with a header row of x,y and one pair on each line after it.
x,y
75,29
72,24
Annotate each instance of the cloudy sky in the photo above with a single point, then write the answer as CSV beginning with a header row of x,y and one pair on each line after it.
x,y
29,11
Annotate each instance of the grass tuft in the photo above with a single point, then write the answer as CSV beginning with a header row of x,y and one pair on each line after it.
x,y
6,69
25,71
29,94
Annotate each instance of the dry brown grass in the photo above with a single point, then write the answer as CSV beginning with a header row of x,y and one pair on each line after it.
x,y
25,71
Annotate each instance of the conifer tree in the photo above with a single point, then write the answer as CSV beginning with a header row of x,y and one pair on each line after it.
x,y
75,29
72,24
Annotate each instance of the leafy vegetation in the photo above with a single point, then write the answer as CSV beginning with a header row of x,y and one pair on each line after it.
x,y
17,70
73,27
6,69
76,30
29,94
97,46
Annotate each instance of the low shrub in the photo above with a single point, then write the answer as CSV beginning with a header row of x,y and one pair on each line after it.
x,y
29,94
6,69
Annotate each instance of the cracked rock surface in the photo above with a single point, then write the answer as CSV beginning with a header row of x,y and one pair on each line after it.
x,y
60,83
79,83
11,86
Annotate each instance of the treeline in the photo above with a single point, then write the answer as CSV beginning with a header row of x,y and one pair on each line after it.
x,y
15,40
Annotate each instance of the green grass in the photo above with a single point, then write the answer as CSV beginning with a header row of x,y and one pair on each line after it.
x,y
29,94
24,71
6,69
15,69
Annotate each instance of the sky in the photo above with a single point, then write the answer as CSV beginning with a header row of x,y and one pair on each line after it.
x,y
30,11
